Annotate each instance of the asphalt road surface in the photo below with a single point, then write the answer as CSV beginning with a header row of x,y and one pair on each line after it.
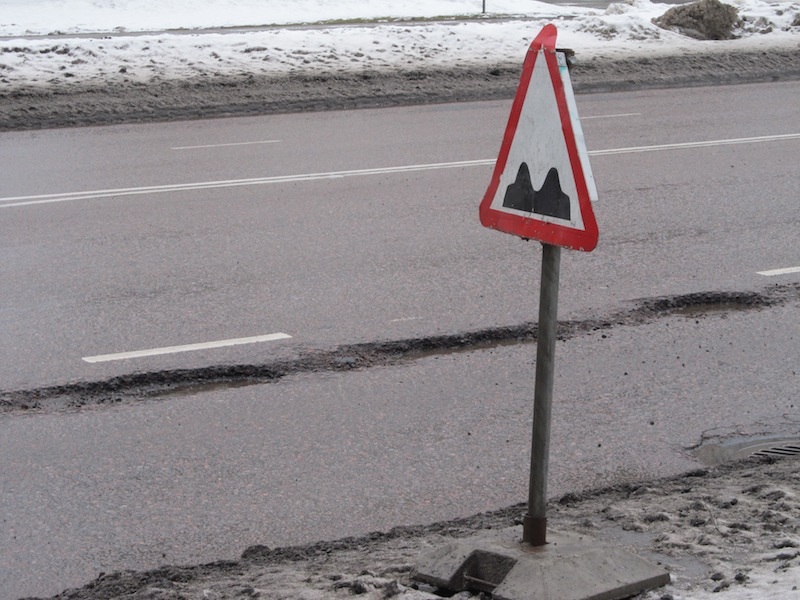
x,y
357,226
351,227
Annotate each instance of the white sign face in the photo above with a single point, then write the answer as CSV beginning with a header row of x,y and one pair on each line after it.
x,y
542,186
538,160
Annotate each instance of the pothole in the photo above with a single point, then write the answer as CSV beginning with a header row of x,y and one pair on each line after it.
x,y
741,448
711,309
705,303
165,383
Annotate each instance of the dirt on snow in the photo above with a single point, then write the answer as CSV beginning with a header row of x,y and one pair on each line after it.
x,y
731,530
68,103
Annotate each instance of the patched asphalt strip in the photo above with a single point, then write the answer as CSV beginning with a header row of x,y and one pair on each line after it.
x,y
150,385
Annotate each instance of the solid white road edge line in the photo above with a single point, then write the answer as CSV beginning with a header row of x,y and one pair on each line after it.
x,y
685,145
226,145
70,196
774,272
611,116
187,348
17,201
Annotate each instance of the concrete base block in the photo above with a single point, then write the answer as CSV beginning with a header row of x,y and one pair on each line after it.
x,y
568,567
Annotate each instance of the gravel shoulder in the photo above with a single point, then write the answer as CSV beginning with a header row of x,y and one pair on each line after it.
x,y
69,105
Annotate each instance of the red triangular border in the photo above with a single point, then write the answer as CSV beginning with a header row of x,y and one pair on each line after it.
x,y
549,233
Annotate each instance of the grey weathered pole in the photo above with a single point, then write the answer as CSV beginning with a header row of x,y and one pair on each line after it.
x,y
534,525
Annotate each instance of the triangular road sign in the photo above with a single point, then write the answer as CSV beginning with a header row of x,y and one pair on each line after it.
x,y
542,187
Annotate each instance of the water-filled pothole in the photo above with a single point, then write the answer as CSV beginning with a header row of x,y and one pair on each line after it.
x,y
696,310
704,303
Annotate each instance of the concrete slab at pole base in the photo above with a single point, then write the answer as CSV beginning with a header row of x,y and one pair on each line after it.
x,y
568,567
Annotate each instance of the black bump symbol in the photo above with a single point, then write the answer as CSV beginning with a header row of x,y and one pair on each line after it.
x,y
550,201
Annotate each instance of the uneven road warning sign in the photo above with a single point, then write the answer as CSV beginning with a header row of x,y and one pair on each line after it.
x,y
542,187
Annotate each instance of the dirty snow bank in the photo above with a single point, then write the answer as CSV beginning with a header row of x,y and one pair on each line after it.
x,y
727,533
620,30
77,67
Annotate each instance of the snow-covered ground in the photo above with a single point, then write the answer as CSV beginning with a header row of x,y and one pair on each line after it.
x,y
90,41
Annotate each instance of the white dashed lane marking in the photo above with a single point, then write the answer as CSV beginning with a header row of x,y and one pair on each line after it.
x,y
774,272
187,348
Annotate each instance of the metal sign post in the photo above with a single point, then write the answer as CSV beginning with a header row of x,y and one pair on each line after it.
x,y
542,188
534,524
